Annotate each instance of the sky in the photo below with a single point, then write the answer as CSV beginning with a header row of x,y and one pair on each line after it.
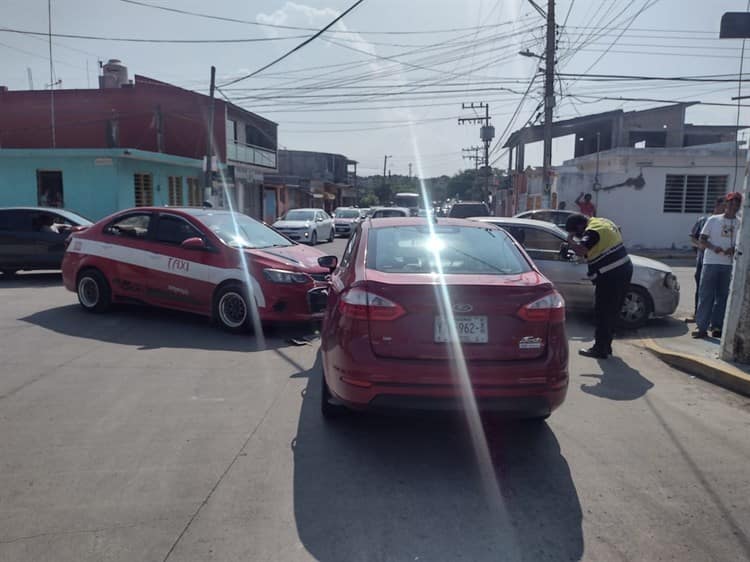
x,y
390,78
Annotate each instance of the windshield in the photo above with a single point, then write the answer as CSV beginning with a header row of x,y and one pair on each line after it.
x,y
459,250
465,210
74,217
347,214
239,230
299,215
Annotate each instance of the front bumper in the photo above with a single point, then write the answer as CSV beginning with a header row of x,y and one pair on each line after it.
x,y
296,235
665,300
290,303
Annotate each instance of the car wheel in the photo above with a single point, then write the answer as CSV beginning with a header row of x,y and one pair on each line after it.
x,y
329,409
314,238
636,309
8,272
231,309
93,291
332,236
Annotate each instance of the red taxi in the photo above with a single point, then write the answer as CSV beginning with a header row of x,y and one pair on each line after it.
x,y
426,314
206,261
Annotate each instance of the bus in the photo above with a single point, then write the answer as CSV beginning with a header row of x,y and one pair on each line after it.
x,y
411,201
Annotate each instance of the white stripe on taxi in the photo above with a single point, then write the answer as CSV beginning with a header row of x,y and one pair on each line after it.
x,y
165,264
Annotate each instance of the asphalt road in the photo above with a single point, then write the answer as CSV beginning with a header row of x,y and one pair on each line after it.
x,y
147,436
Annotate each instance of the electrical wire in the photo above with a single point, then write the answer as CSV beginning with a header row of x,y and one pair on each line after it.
x,y
298,47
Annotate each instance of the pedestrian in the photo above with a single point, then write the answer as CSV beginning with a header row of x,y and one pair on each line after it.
x,y
609,268
585,205
561,206
695,235
717,239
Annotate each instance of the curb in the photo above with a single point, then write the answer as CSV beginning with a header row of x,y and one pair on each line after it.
x,y
720,373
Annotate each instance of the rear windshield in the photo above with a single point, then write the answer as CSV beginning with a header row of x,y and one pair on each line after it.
x,y
465,210
388,213
458,249
347,214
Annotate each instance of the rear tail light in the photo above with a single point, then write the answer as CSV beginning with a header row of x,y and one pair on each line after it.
x,y
549,308
364,305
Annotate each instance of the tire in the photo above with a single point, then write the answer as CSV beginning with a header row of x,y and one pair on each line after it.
x,y
94,293
330,411
231,310
332,236
637,308
314,238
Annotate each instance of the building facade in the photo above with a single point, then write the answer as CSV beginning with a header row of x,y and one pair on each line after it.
x,y
148,116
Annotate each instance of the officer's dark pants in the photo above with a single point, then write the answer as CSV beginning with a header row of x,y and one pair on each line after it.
x,y
610,290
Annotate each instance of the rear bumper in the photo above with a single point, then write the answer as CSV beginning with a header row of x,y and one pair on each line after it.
x,y
523,388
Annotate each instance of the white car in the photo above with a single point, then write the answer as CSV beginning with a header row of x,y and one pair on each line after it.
x,y
306,225
653,293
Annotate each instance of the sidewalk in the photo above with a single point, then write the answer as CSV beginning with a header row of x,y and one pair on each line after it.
x,y
696,357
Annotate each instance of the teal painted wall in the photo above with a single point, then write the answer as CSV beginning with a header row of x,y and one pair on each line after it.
x,y
96,183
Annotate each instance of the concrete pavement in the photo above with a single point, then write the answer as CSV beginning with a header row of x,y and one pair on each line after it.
x,y
144,435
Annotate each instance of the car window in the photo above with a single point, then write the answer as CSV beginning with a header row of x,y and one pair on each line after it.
x,y
238,230
388,213
347,214
130,226
452,249
175,230
462,210
537,239
299,215
350,246
17,221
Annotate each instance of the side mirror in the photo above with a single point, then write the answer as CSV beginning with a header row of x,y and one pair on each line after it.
x,y
329,262
319,219
566,253
194,244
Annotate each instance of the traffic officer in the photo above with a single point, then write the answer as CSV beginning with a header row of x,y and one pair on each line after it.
x,y
609,268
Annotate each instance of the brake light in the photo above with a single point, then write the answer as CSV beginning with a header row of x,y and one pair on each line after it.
x,y
360,304
549,308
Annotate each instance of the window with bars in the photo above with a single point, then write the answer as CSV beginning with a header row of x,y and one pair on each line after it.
x,y
175,191
144,190
195,195
692,194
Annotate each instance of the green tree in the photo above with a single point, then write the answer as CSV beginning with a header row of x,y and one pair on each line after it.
x,y
369,199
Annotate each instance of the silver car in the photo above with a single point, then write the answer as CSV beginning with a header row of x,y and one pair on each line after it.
x,y
306,225
654,290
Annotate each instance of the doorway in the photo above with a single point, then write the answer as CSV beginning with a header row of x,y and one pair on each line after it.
x,y
49,188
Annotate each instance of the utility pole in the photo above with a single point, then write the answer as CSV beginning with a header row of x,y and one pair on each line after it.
x,y
51,76
549,101
385,163
208,181
735,335
486,134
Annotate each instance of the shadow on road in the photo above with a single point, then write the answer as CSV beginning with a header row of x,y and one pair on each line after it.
x,y
31,280
398,488
618,381
154,328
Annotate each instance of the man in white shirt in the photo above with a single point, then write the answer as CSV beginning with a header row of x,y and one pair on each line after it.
x,y
718,239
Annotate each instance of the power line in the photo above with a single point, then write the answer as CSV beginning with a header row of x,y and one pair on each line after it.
x,y
148,40
298,47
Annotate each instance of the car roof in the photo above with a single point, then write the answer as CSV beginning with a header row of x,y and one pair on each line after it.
x,y
568,211
514,221
387,222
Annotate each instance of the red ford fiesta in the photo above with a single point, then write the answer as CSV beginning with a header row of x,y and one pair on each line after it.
x,y
414,301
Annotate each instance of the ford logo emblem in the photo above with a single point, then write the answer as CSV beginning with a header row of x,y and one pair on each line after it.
x,y
462,308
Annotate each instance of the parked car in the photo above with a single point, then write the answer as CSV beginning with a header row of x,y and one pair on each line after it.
x,y
389,212
555,216
207,261
345,219
389,342
465,209
654,290
306,225
33,238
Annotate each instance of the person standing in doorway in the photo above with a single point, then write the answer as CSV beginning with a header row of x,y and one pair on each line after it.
x,y
585,205
717,239
610,269
695,235
561,206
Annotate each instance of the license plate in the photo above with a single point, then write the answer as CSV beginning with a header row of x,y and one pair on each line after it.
x,y
470,329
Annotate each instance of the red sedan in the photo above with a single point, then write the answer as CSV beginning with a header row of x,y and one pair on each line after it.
x,y
423,313
205,261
